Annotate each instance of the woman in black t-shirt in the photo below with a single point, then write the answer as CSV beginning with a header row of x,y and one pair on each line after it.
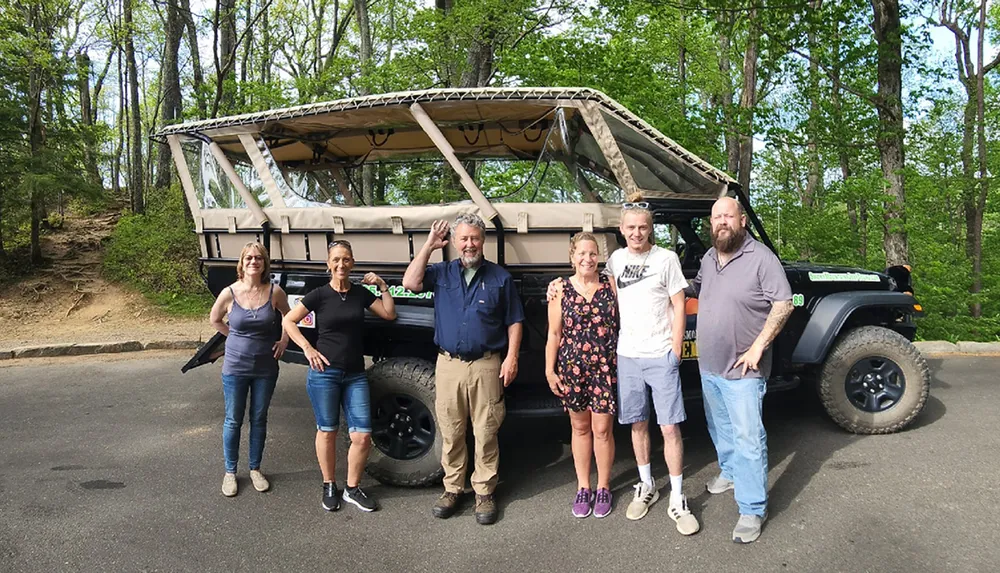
x,y
337,369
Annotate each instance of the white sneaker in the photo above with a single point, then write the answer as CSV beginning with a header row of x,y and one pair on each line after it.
x,y
260,482
687,523
645,496
719,485
229,485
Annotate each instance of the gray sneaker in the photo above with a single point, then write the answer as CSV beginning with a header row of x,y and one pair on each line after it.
x,y
748,528
719,485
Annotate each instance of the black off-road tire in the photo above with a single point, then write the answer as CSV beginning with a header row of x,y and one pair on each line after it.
x,y
412,379
873,343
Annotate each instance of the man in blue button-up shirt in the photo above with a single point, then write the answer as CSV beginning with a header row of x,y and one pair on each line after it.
x,y
477,314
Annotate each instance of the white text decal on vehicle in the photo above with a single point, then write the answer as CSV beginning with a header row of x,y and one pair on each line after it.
x,y
310,320
397,291
843,278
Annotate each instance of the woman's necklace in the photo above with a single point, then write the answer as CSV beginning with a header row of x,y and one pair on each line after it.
x,y
343,295
588,291
254,305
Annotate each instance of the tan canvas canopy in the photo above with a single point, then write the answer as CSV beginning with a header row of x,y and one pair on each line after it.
x,y
482,122
579,127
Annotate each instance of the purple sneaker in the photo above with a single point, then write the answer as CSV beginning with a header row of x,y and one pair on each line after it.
x,y
581,507
602,505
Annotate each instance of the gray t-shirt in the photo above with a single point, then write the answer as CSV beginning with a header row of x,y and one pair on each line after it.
x,y
733,304
645,284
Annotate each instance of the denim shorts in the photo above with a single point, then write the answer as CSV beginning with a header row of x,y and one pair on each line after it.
x,y
333,388
640,377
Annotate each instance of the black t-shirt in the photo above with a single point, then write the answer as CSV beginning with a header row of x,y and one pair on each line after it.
x,y
340,322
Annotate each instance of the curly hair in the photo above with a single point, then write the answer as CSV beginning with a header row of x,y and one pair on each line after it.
x,y
470,219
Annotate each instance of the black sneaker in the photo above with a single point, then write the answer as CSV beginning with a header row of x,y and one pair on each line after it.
x,y
358,497
331,497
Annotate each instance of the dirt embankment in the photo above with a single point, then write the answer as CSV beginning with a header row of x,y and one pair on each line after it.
x,y
69,301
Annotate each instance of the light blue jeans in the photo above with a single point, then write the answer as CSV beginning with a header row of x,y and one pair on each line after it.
x,y
733,411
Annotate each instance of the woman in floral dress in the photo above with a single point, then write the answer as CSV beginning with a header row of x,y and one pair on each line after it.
x,y
580,368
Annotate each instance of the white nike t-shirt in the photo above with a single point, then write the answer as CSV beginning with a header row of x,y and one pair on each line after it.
x,y
645,284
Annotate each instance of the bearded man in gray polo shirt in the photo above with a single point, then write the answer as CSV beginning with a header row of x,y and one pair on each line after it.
x,y
744,300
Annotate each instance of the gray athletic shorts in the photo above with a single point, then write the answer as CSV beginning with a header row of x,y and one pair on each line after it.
x,y
662,376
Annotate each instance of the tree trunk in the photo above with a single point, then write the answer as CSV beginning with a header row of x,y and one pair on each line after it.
x,y
984,179
814,175
888,36
729,123
364,88
116,164
3,251
245,59
36,135
748,100
87,119
170,110
197,75
136,182
225,31
682,59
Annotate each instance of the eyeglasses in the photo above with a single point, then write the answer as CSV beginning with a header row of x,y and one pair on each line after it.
x,y
339,243
639,205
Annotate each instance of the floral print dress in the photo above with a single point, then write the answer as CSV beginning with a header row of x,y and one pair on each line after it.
x,y
589,348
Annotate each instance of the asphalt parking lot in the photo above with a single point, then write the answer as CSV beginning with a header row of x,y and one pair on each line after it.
x,y
114,464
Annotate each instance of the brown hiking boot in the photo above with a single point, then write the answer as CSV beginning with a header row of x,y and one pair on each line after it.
x,y
486,509
446,505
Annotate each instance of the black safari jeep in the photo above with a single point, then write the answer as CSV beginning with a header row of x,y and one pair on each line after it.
x,y
538,164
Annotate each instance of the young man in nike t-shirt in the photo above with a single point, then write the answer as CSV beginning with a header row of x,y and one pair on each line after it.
x,y
650,287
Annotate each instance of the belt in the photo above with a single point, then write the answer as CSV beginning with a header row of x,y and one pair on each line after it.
x,y
467,357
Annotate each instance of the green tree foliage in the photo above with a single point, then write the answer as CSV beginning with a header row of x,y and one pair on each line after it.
x,y
817,176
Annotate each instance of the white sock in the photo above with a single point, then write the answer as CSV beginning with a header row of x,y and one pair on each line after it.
x,y
646,475
675,488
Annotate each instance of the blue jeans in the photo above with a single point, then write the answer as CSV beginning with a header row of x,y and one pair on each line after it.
x,y
235,390
332,387
733,411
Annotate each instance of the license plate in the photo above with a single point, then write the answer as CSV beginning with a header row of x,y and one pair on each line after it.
x,y
689,350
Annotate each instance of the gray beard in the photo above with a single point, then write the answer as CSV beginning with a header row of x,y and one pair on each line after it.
x,y
472,263
730,244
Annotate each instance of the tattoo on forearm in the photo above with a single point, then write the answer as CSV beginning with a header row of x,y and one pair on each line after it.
x,y
780,311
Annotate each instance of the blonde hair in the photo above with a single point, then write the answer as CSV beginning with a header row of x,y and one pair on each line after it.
x,y
581,236
265,276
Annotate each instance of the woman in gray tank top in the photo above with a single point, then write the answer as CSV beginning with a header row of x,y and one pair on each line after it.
x,y
250,367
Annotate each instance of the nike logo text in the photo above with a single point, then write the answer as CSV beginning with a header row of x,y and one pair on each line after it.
x,y
631,275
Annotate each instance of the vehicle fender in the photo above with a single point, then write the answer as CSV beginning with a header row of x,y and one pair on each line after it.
x,y
407,316
830,314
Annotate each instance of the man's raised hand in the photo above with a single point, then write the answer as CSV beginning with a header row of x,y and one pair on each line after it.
x,y
438,237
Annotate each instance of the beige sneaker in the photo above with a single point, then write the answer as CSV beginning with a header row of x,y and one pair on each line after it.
x,y
260,482
229,485
645,496
687,523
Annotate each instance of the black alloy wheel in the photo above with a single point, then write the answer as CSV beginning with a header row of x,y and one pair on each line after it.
x,y
875,384
402,427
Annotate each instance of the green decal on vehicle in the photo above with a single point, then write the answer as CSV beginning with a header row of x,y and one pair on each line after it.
x,y
825,277
397,291
798,299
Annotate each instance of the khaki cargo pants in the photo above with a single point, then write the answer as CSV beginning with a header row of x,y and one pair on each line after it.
x,y
464,390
